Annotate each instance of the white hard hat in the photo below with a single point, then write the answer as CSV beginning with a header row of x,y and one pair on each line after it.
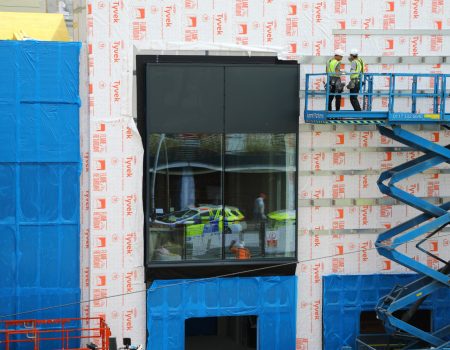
x,y
339,52
241,245
354,52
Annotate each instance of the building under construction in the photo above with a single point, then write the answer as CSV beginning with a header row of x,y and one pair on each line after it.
x,y
227,174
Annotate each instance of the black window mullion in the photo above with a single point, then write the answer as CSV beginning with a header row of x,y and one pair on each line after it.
x,y
223,164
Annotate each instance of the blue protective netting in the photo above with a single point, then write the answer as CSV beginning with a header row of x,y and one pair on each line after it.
x,y
272,299
39,178
346,296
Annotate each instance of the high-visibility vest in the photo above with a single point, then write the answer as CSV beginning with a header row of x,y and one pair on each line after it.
x,y
362,64
241,253
359,69
332,65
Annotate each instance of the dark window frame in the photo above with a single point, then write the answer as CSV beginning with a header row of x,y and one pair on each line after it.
x,y
193,269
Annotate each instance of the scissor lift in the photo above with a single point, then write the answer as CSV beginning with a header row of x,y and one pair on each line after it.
x,y
87,333
433,218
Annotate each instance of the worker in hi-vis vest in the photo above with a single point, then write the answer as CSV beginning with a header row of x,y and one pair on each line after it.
x,y
334,79
240,251
356,71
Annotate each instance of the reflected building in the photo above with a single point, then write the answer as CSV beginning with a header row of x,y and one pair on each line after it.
x,y
203,189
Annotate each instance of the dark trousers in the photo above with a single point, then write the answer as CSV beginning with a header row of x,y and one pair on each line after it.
x,y
354,99
335,87
262,236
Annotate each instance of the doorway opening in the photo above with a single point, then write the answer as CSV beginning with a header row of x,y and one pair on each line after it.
x,y
374,335
370,324
221,333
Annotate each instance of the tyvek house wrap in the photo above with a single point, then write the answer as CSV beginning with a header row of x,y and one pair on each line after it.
x,y
39,179
291,29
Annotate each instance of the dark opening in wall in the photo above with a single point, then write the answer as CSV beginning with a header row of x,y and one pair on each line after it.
x,y
370,324
234,332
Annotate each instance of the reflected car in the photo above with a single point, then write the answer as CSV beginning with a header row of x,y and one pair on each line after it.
x,y
204,219
281,218
190,218
234,219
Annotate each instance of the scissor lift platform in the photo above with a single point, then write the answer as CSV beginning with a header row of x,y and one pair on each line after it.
x,y
370,91
434,218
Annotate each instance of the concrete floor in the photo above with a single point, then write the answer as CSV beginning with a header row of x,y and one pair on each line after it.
x,y
212,342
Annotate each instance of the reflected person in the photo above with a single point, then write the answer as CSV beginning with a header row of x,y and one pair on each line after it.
x,y
239,250
260,220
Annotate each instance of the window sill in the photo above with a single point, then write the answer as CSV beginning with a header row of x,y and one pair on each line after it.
x,y
209,269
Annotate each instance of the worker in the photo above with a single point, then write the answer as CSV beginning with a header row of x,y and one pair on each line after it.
x,y
259,214
333,69
356,71
259,208
239,250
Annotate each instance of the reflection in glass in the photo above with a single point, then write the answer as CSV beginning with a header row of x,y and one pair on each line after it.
x,y
260,180
185,191
215,196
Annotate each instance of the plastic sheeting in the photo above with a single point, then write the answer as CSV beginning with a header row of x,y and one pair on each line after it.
x,y
272,299
39,178
346,296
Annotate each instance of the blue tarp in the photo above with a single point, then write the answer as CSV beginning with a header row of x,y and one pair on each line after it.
x,y
39,178
346,296
272,299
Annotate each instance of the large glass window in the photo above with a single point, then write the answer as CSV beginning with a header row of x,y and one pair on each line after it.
x,y
185,195
221,196
260,184
220,182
